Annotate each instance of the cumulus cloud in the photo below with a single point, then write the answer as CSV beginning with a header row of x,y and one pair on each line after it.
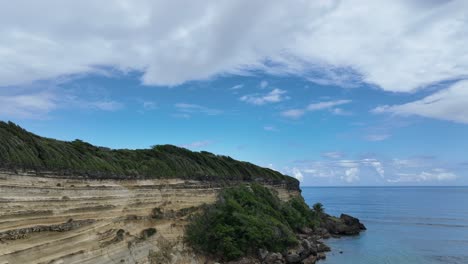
x,y
351,175
296,173
274,96
378,166
344,170
425,176
449,104
378,171
399,46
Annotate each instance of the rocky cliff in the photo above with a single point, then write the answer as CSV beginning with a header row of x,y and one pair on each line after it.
x,y
50,219
72,202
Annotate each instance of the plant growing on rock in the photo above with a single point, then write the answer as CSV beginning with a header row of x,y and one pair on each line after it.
x,y
246,219
318,209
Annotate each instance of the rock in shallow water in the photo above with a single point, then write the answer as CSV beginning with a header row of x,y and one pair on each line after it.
x,y
352,222
345,225
310,260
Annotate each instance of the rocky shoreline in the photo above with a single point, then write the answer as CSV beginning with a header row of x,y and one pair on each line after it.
x,y
311,247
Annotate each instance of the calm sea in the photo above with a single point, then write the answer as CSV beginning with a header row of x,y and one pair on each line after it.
x,y
405,224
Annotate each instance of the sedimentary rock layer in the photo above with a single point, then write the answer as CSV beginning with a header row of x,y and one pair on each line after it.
x,y
73,220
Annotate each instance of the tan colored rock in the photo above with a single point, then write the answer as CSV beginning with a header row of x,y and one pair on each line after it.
x,y
310,260
108,219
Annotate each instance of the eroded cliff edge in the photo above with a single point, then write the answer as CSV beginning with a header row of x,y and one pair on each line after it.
x,y
56,220
72,202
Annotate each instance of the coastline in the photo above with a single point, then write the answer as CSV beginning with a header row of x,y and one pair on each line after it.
x,y
408,225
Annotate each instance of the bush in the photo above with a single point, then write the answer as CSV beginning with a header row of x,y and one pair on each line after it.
x,y
20,149
318,209
245,219
149,232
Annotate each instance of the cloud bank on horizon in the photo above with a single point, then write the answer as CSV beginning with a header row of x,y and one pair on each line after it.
x,y
414,47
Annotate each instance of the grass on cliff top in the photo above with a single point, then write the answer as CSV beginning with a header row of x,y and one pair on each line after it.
x,y
245,219
20,149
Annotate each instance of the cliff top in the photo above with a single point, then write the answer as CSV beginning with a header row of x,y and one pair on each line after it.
x,y
23,150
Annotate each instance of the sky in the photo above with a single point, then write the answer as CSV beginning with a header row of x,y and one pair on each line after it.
x,y
334,93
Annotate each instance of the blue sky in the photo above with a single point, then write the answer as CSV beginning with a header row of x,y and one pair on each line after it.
x,y
330,97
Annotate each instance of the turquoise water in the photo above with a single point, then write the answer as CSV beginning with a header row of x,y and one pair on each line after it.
x,y
405,224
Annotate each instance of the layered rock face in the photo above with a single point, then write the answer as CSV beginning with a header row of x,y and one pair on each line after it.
x,y
74,220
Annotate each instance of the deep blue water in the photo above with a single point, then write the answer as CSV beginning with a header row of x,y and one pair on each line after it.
x,y
405,224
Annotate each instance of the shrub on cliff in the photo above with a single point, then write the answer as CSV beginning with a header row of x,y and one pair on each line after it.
x,y
318,209
245,219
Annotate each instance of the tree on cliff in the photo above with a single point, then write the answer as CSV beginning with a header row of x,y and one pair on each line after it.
x,y
318,209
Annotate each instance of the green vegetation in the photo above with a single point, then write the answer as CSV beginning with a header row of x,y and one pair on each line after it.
x,y
245,219
22,150
318,208
149,232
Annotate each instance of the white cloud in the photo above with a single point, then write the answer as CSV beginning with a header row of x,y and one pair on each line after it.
x,y
436,175
237,87
377,166
186,109
332,155
296,173
449,104
414,162
347,163
263,84
327,105
379,171
339,111
398,45
293,113
105,105
274,96
197,144
351,175
36,105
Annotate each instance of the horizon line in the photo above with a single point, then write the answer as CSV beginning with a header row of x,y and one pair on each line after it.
x,y
381,186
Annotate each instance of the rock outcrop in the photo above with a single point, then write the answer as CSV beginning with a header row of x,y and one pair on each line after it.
x,y
311,247
75,220
346,225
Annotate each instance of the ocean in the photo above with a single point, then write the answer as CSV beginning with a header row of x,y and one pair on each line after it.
x,y
404,224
